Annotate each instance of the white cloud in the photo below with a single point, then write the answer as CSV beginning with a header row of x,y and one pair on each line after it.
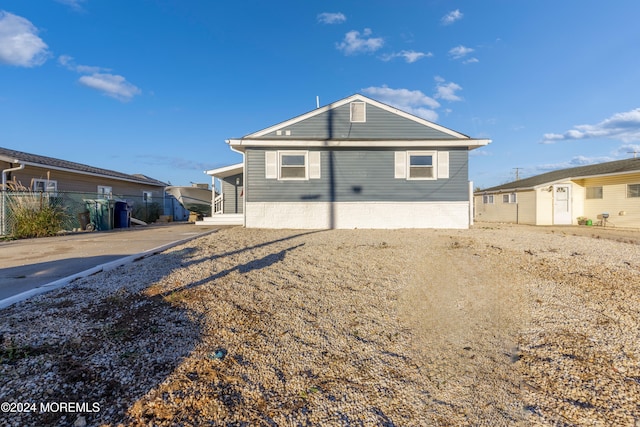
x,y
111,85
174,162
452,17
19,42
68,62
409,56
624,127
460,52
480,153
574,162
411,101
73,4
628,149
447,91
101,79
331,18
355,43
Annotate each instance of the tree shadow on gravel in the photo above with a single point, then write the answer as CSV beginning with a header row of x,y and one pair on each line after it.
x,y
93,357
257,264
258,246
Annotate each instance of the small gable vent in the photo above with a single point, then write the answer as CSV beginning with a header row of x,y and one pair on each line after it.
x,y
358,112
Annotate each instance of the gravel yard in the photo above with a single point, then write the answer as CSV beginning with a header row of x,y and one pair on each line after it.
x,y
497,325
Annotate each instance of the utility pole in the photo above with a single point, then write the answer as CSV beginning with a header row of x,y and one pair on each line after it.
x,y
517,173
635,153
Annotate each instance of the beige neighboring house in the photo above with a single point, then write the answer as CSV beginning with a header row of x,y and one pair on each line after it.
x,y
606,193
48,174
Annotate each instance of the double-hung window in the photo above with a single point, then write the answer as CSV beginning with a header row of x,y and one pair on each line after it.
x,y
44,185
292,165
106,191
421,165
509,198
594,193
633,190
487,199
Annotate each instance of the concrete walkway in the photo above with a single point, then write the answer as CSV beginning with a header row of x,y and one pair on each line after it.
x,y
32,266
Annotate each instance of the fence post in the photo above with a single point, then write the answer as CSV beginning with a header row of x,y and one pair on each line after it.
x,y
3,219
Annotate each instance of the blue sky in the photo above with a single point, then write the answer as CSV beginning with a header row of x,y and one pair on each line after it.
x,y
156,87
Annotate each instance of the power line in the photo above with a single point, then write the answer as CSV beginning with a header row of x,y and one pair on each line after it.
x,y
517,173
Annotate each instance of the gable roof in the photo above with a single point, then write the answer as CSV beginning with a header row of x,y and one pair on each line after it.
x,y
385,126
28,159
616,167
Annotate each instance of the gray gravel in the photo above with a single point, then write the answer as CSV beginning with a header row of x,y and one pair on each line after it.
x,y
498,325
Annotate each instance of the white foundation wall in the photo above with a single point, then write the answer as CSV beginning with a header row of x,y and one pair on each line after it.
x,y
389,215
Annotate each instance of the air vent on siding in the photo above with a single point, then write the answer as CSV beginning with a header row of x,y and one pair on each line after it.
x,y
358,112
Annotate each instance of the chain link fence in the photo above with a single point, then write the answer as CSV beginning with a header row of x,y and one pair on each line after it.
x,y
75,210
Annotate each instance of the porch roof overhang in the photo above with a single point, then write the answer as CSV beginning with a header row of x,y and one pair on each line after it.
x,y
226,171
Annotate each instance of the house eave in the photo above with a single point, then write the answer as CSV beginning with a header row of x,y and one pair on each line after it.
x,y
75,171
557,181
470,144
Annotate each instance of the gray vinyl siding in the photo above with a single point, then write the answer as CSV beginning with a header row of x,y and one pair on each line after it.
x,y
233,200
380,124
358,175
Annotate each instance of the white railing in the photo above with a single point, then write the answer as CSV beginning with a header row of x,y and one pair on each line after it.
x,y
218,204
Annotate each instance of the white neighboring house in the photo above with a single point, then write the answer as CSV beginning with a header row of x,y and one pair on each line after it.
x,y
355,163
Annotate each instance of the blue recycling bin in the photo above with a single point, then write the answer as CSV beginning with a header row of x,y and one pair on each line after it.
x,y
122,215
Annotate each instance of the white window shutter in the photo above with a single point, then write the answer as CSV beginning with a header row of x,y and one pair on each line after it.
x,y
314,165
271,164
443,164
400,164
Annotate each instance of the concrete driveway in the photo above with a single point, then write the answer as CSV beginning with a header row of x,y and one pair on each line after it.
x,y
32,266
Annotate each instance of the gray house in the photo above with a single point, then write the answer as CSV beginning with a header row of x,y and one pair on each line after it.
x,y
355,163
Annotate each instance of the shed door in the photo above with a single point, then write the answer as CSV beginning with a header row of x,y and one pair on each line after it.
x,y
561,204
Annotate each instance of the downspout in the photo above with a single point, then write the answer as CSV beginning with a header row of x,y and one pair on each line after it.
x,y
4,173
4,195
471,204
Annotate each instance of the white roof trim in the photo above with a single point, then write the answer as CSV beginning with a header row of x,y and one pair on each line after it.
x,y
226,170
557,181
469,143
80,172
356,97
